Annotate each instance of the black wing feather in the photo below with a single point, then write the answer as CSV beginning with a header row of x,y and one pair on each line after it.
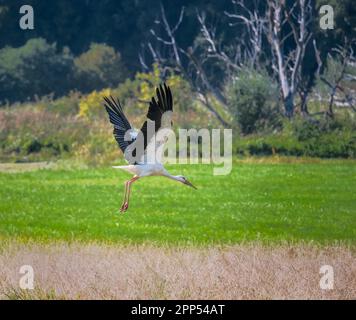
x,y
119,120
156,109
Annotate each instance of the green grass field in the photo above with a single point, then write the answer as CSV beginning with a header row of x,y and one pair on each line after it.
x,y
257,201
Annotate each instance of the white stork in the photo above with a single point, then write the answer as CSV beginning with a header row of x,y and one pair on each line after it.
x,y
123,129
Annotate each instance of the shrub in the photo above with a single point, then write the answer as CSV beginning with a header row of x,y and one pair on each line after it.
x,y
327,138
33,133
66,105
253,101
92,104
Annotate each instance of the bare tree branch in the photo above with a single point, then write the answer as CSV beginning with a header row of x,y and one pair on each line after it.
x,y
255,25
193,69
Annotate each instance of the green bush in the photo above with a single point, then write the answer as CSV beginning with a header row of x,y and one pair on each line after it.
x,y
32,133
253,101
66,105
266,145
327,138
28,132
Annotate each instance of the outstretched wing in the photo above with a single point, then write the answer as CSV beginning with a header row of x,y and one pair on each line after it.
x,y
134,148
156,110
120,122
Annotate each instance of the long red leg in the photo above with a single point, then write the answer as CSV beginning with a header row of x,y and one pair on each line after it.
x,y
126,205
125,196
129,191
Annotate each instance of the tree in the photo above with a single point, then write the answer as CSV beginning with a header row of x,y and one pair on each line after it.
x,y
288,64
185,62
37,68
99,67
276,33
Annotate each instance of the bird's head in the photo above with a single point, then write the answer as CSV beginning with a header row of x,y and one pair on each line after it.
x,y
185,181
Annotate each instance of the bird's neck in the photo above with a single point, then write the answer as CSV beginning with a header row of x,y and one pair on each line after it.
x,y
170,176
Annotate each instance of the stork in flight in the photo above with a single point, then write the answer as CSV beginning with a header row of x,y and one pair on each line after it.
x,y
130,140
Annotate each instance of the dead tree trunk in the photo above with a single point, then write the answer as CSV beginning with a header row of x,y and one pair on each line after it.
x,y
289,66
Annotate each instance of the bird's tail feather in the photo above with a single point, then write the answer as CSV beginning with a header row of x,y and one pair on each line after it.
x,y
129,168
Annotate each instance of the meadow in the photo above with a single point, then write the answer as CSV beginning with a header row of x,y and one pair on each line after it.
x,y
266,202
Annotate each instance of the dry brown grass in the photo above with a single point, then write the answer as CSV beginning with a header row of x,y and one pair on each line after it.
x,y
251,271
